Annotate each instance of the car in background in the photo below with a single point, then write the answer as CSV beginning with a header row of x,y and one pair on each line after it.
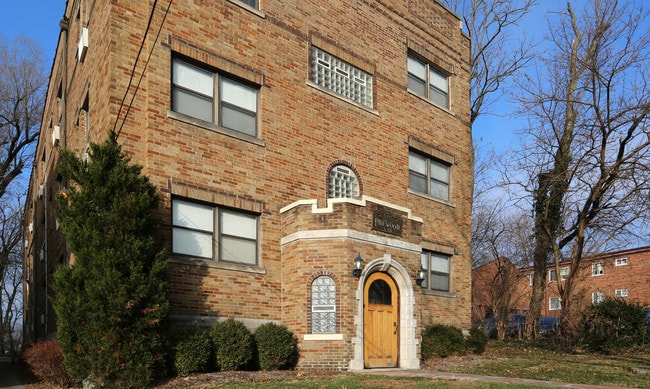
x,y
516,326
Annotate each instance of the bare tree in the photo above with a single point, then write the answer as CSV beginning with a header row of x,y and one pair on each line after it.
x,y
22,94
495,55
11,278
588,151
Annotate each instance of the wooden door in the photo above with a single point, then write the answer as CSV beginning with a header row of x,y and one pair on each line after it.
x,y
380,321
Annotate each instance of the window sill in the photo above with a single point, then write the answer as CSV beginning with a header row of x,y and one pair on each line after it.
x,y
429,197
323,337
438,293
214,128
419,96
342,98
217,265
248,8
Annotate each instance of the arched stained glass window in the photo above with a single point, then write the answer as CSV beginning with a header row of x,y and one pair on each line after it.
x,y
323,306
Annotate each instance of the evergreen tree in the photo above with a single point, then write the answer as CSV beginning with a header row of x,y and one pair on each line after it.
x,y
111,302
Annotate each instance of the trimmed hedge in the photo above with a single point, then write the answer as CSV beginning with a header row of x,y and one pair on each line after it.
x,y
277,347
442,341
233,345
192,352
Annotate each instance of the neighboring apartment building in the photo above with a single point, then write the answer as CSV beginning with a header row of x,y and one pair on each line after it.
x,y
621,274
287,139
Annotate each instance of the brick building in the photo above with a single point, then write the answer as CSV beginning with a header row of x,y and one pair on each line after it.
x,y
621,274
286,139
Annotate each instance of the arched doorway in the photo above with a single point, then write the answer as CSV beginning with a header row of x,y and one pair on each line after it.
x,y
381,321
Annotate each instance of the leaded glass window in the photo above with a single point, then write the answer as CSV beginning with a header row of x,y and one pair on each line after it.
x,y
323,306
341,77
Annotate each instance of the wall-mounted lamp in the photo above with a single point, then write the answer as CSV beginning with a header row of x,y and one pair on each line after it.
x,y
358,263
422,275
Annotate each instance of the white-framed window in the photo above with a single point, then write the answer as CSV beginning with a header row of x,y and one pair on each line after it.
x,y
438,269
554,303
429,175
597,269
221,234
621,261
530,277
212,97
428,81
552,275
597,297
621,293
341,77
323,305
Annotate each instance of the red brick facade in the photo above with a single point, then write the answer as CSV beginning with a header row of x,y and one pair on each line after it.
x,y
277,176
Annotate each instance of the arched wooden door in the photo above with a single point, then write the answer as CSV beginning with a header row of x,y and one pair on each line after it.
x,y
380,321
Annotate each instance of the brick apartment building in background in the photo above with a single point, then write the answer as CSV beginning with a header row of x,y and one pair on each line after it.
x,y
287,139
622,274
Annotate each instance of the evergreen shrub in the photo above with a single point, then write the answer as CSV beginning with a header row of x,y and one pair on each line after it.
x,y
233,345
442,341
277,347
477,340
192,351
614,325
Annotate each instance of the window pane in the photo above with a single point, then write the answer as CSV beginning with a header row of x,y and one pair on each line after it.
x,y
439,171
417,163
438,80
379,293
238,224
192,215
192,105
323,300
417,182
440,282
439,263
438,97
192,77
238,120
192,243
439,190
417,68
252,3
238,94
418,86
238,250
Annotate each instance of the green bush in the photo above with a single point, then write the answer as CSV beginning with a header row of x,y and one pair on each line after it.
x,y
442,341
233,345
277,348
614,325
477,340
45,360
192,351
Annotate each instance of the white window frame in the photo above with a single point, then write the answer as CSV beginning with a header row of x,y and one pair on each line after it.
x,y
436,265
216,233
342,183
597,269
428,81
201,86
552,276
341,77
554,304
323,288
423,168
621,293
621,261
530,277
597,297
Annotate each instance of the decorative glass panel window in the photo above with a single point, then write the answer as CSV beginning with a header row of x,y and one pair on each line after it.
x,y
621,293
204,231
429,175
437,268
339,76
597,269
214,98
427,81
597,297
552,275
323,306
621,261
343,182
554,303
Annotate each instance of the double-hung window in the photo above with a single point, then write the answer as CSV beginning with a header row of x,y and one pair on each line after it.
x,y
437,267
427,81
597,297
220,234
552,275
554,303
621,293
214,98
429,175
620,262
597,269
341,77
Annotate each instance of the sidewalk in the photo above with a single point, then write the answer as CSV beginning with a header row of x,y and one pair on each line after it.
x,y
479,378
9,378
